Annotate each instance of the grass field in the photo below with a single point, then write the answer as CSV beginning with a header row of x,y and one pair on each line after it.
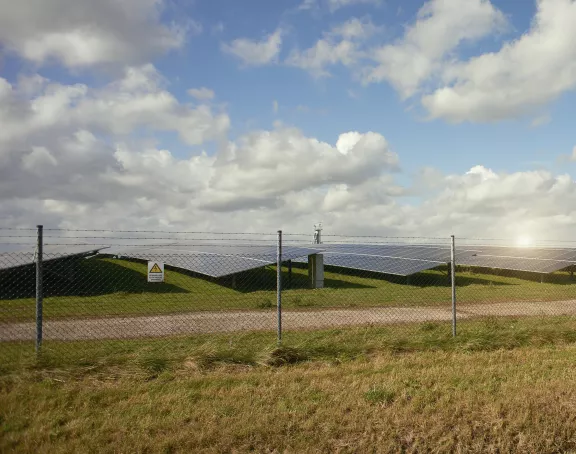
x,y
107,287
503,385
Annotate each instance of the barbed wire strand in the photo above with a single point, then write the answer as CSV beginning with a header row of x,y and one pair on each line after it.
x,y
156,231
292,243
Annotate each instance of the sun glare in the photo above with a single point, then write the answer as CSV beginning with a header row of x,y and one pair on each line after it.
x,y
524,241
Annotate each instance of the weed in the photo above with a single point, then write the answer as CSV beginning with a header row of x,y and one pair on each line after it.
x,y
378,395
209,357
264,304
153,364
492,323
282,356
298,301
430,326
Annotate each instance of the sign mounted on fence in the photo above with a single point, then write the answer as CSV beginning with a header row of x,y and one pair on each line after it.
x,y
155,272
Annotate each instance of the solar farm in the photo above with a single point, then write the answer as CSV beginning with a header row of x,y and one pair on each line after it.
x,y
225,344
212,286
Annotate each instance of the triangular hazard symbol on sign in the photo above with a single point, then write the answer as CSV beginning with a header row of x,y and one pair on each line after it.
x,y
155,269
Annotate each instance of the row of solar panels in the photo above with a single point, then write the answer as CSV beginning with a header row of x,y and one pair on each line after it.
x,y
27,257
407,260
404,260
223,260
401,260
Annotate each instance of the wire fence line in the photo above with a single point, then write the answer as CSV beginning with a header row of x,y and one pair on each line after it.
x,y
160,287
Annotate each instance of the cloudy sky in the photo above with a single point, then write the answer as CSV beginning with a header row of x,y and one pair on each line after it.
x,y
387,117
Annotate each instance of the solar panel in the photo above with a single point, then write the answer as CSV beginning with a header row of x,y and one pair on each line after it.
x,y
215,261
440,253
397,259
529,252
533,259
207,264
517,263
388,265
50,253
540,260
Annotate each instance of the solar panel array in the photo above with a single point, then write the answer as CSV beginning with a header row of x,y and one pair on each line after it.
x,y
517,263
544,253
387,265
400,260
218,260
51,252
214,260
533,259
405,260
437,253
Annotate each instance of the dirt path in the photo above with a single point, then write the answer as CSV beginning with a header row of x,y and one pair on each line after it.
x,y
233,321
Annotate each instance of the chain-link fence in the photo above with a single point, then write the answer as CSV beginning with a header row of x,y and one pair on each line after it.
x,y
91,288
516,279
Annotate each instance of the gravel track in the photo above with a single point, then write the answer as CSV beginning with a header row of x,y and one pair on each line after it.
x,y
234,321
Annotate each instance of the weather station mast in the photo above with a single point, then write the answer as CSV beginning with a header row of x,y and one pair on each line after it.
x,y
316,261
318,233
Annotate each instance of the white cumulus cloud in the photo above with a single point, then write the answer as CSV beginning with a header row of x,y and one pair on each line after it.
x,y
341,45
421,53
334,5
517,79
82,33
256,53
202,94
137,99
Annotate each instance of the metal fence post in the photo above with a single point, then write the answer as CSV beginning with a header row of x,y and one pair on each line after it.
x,y
39,295
453,282
279,285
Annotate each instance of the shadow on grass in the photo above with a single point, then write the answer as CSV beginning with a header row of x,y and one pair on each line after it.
x,y
561,277
264,279
78,276
462,280
425,279
258,279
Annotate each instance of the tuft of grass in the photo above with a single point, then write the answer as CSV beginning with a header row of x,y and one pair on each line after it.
x,y
265,304
211,356
379,395
153,364
122,294
282,356
430,326
299,301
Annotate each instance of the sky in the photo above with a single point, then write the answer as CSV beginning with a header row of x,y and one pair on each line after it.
x,y
375,117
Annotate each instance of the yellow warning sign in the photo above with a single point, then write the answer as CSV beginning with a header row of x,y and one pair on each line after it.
x,y
155,272
155,269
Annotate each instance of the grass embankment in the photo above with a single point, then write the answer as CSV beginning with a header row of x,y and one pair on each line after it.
x,y
500,386
107,287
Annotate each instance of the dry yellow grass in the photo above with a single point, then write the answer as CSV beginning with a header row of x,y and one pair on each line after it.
x,y
423,393
522,400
